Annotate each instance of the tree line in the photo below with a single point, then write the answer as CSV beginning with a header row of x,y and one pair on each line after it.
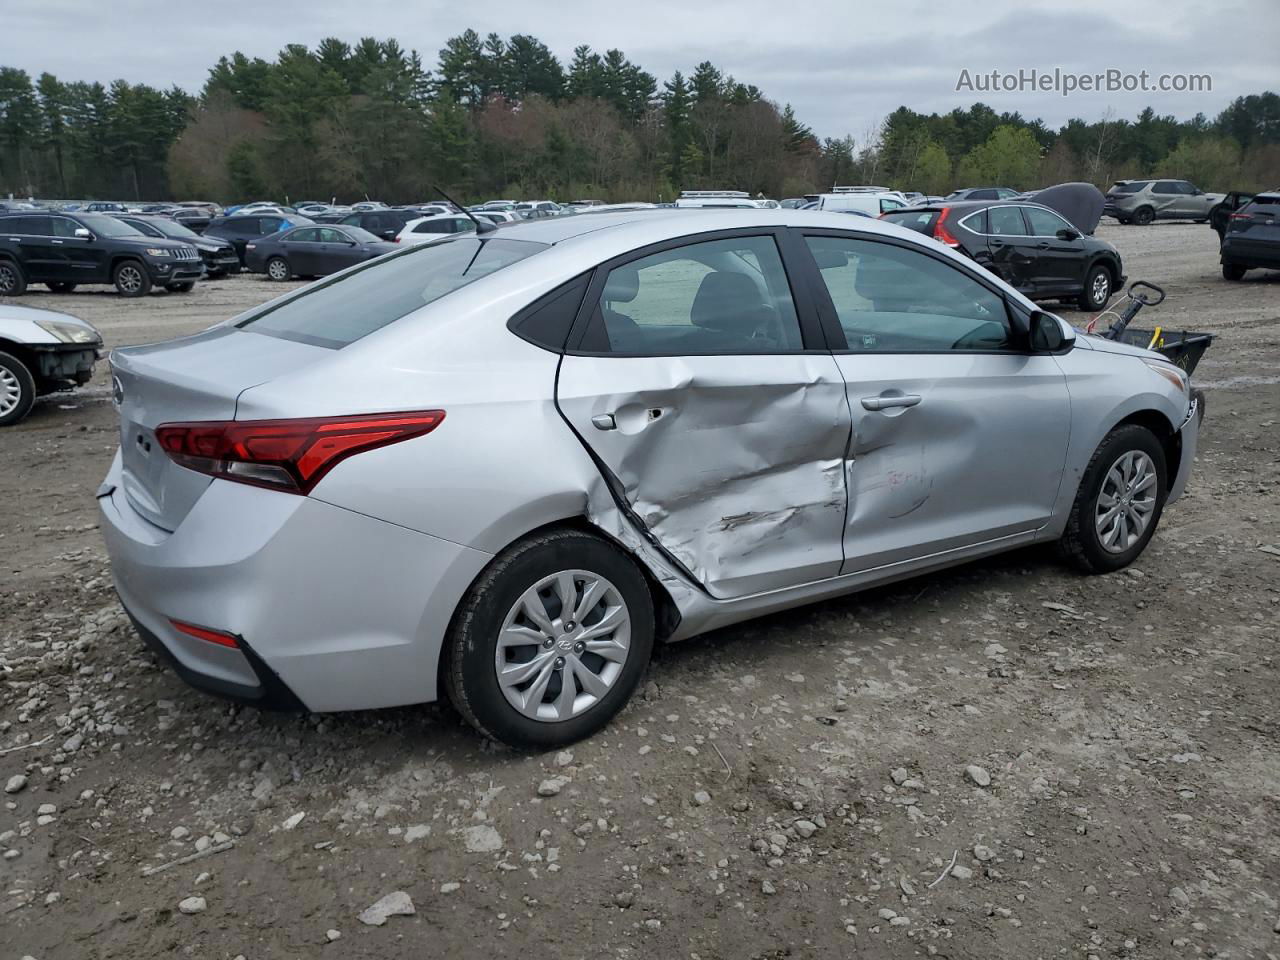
x,y
505,117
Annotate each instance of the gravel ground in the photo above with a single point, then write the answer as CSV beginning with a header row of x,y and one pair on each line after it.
x,y
1005,759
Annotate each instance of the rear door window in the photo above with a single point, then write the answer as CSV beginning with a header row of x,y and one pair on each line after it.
x,y
25,226
307,235
339,311
1165,186
1006,222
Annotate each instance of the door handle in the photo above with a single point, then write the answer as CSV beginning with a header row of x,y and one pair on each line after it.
x,y
57,242
884,403
604,421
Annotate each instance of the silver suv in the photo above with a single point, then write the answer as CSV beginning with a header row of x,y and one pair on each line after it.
x,y
1142,201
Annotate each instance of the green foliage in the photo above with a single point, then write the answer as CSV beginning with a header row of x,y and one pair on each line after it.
x,y
1009,157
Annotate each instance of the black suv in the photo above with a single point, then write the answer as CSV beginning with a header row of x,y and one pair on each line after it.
x,y
1029,246
219,256
62,250
383,224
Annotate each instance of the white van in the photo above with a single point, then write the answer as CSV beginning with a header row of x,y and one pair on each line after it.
x,y
866,202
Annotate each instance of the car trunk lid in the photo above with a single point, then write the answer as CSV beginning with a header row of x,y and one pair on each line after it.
x,y
196,378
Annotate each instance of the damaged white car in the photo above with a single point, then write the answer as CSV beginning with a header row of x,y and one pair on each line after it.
x,y
503,466
42,352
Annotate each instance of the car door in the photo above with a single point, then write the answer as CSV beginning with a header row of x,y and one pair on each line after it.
x,y
1060,263
1166,199
705,393
84,258
1013,252
335,251
959,432
302,249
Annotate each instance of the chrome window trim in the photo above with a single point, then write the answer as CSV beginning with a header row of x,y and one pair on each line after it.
x,y
1019,206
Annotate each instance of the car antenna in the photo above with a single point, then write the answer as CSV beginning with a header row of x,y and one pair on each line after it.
x,y
482,226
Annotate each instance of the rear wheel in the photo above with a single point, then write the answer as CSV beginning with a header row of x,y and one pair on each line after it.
x,y
1097,289
185,287
131,279
17,389
61,286
278,269
1233,271
1143,216
1119,503
550,642
13,283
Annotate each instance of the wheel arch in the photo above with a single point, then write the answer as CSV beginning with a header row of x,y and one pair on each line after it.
x,y
23,353
1164,431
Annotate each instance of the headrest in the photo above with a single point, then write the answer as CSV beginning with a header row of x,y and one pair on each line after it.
x,y
729,302
622,286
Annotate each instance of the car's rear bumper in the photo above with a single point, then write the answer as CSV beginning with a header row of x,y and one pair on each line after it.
x,y
331,609
1190,435
1250,253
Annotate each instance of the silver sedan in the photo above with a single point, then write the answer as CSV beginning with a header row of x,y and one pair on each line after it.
x,y
503,466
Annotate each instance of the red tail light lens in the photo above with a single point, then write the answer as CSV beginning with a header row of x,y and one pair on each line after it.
x,y
941,233
1241,216
204,633
288,455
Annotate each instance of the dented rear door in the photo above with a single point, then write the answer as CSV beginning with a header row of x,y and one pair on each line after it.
x,y
959,434
721,427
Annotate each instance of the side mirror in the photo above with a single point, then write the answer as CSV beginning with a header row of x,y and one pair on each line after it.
x,y
1049,334
1066,233
83,233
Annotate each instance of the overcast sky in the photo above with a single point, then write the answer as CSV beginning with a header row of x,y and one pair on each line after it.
x,y
843,64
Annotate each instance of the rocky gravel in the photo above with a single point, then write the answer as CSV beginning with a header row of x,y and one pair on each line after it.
x,y
1002,760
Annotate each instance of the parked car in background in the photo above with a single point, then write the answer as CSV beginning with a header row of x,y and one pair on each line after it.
x,y
1144,201
431,229
1221,212
697,199
313,251
41,352
1252,240
1027,245
534,209
981,193
100,206
64,250
329,517
498,216
219,256
384,223
239,229
870,203
195,219
792,203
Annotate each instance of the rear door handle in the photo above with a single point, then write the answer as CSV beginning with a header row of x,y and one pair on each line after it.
x,y
604,421
884,403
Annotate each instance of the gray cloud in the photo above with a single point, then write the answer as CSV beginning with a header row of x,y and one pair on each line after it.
x,y
842,65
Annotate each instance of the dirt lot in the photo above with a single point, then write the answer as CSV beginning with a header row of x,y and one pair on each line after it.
x,y
790,788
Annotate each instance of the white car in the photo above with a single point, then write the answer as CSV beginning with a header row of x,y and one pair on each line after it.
x,y
872,203
431,229
41,352
498,216
717,198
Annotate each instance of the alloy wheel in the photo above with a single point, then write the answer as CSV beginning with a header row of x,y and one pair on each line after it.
x,y
1101,288
10,388
563,645
278,270
8,279
1126,502
129,278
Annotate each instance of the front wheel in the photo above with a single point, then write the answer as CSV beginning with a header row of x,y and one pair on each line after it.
x,y
1097,289
1119,503
1232,271
551,641
131,279
278,269
17,390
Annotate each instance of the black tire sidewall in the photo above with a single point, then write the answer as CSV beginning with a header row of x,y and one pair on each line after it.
x,y
20,279
475,639
142,290
1084,533
1144,216
27,384
1231,271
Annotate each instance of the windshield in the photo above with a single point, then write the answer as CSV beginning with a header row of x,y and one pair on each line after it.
x,y
109,226
175,230
352,305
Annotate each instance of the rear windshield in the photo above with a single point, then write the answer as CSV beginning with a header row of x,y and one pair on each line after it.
x,y
918,220
1267,202
1135,187
340,311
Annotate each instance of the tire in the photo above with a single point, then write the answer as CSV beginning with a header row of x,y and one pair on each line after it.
x,y
61,286
1097,289
131,279
1233,271
13,282
185,287
495,600
1082,543
278,269
17,389
1143,216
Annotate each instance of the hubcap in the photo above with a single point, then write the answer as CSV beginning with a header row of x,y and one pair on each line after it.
x,y
1126,502
130,278
563,645
1101,287
7,280
10,392
277,270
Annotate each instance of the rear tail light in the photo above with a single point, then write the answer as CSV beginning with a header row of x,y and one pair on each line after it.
x,y
204,633
288,455
941,233
1241,216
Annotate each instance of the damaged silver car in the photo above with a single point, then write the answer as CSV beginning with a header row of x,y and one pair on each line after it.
x,y
503,466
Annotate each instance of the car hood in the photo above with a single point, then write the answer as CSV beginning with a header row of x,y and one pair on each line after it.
x,y
160,243
1080,203
1103,345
